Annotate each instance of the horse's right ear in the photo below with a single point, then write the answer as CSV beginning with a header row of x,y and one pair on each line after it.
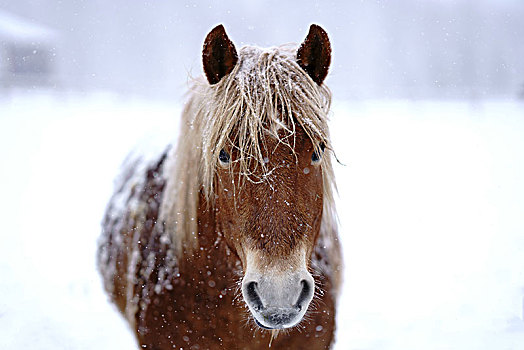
x,y
219,55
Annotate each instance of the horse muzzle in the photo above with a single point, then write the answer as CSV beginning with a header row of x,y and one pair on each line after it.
x,y
278,299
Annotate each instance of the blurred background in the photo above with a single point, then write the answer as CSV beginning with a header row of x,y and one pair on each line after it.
x,y
427,119
405,48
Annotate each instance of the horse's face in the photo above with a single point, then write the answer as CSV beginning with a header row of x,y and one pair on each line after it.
x,y
272,217
273,225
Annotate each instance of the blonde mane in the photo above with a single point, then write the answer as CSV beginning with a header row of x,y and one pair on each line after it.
x,y
267,90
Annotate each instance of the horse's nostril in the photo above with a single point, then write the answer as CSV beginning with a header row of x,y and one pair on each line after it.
x,y
305,294
253,297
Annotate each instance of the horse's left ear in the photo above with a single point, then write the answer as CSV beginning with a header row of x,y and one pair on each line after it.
x,y
219,55
314,55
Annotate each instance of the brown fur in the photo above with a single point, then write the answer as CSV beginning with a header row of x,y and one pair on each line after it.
x,y
296,197
179,295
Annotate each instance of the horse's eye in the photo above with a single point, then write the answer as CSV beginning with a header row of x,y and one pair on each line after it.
x,y
316,157
223,157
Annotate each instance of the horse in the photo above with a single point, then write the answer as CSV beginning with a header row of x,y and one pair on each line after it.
x,y
229,240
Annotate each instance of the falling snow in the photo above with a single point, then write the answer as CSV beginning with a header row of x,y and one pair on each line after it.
x,y
430,203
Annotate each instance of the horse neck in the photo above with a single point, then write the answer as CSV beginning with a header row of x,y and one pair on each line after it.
x,y
211,242
211,261
207,228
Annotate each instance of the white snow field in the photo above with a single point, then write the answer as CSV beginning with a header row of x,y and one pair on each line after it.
x,y
431,204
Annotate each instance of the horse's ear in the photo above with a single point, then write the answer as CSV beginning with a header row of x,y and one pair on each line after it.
x,y
219,55
314,55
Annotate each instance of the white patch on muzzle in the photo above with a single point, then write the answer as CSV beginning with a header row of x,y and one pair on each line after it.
x,y
279,295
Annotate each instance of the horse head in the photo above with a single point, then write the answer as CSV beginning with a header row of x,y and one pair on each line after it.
x,y
270,165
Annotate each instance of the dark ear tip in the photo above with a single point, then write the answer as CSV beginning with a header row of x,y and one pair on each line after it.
x,y
318,31
315,28
219,30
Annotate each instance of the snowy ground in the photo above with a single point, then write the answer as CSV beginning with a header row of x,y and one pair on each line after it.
x,y
431,206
